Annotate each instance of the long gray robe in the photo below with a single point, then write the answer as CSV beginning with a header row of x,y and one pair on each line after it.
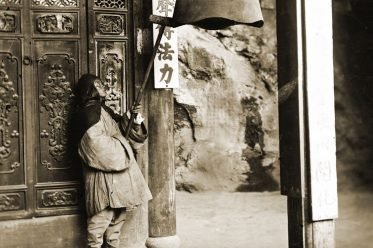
x,y
111,174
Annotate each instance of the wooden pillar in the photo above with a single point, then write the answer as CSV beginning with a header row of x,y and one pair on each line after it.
x,y
159,113
307,133
162,209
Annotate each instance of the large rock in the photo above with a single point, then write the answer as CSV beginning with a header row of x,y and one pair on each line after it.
x,y
226,108
226,133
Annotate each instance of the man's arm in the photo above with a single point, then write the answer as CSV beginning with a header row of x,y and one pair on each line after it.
x,y
103,152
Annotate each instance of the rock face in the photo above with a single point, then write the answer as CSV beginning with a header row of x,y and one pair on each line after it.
x,y
226,107
226,119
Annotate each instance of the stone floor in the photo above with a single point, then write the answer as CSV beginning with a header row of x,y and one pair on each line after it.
x,y
258,220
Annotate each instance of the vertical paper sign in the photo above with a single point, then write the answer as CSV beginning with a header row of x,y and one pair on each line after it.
x,y
166,68
320,104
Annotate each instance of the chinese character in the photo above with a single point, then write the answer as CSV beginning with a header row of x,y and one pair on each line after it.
x,y
168,32
165,52
163,6
166,70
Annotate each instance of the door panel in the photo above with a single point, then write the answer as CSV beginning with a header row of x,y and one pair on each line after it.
x,y
109,48
57,71
42,50
13,169
58,45
12,166
111,63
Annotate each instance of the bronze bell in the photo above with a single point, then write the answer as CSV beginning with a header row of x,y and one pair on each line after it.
x,y
217,14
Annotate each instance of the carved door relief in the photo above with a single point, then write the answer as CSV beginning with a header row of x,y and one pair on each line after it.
x,y
55,74
58,41
109,46
42,54
10,159
13,181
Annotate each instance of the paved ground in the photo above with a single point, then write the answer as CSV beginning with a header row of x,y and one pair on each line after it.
x,y
354,227
258,220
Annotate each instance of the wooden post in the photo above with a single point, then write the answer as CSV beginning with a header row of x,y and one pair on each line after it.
x,y
162,209
307,134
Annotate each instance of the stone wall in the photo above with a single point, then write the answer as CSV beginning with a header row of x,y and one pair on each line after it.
x,y
226,119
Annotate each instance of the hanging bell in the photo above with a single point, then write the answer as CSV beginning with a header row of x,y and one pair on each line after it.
x,y
217,14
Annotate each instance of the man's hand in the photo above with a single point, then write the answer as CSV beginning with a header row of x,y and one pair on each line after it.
x,y
136,109
138,117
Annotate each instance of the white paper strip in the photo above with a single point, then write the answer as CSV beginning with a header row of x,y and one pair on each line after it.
x,y
320,103
166,67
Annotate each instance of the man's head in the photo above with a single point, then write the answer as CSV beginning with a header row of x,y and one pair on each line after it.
x,y
100,87
89,88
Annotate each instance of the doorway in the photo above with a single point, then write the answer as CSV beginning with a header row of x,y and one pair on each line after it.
x,y
44,48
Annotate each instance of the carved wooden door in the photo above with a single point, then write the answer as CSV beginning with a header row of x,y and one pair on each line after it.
x,y
45,46
41,44
109,48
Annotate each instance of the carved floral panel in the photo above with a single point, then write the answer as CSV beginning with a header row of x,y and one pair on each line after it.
x,y
55,3
59,198
113,72
8,21
11,202
55,24
10,2
55,99
111,4
110,24
9,102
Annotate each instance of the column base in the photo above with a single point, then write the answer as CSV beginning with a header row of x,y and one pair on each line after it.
x,y
163,242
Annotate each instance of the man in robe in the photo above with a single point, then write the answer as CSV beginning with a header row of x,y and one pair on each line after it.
x,y
113,181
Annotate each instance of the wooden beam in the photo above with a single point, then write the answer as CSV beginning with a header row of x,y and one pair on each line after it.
x,y
161,20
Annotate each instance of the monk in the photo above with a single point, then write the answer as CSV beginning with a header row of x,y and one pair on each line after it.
x,y
113,181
